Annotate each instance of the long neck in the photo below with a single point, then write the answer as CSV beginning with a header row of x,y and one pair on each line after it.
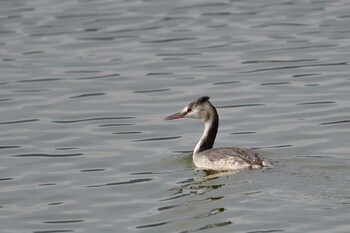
x,y
210,129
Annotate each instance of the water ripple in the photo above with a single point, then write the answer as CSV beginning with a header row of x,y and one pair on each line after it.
x,y
209,226
224,13
53,231
93,170
100,77
133,181
30,91
48,155
33,52
134,29
281,24
9,147
6,179
304,75
18,122
157,139
240,105
98,38
158,73
82,72
205,66
177,54
128,132
317,103
149,91
274,83
244,132
225,83
81,15
201,5
93,119
272,147
116,124
87,95
296,48
63,221
295,67
170,40
39,80
266,231
278,61
335,122
153,225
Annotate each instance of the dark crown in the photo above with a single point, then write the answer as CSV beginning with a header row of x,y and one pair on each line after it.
x,y
201,99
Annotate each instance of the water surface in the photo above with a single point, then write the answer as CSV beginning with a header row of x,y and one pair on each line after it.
x,y
84,86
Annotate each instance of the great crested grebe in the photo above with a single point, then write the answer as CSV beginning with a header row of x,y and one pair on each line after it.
x,y
220,159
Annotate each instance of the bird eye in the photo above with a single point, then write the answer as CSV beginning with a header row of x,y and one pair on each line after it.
x,y
189,109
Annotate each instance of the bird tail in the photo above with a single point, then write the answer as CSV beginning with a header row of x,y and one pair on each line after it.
x,y
266,163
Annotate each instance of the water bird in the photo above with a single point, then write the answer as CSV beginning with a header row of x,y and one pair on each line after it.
x,y
218,159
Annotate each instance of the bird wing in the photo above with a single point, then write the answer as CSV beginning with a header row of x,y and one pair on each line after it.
x,y
235,153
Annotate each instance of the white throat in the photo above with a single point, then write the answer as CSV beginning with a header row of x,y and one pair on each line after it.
x,y
207,126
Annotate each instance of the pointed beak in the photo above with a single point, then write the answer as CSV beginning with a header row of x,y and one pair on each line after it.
x,y
176,116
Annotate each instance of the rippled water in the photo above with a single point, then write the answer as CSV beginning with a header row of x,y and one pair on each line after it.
x,y
84,86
